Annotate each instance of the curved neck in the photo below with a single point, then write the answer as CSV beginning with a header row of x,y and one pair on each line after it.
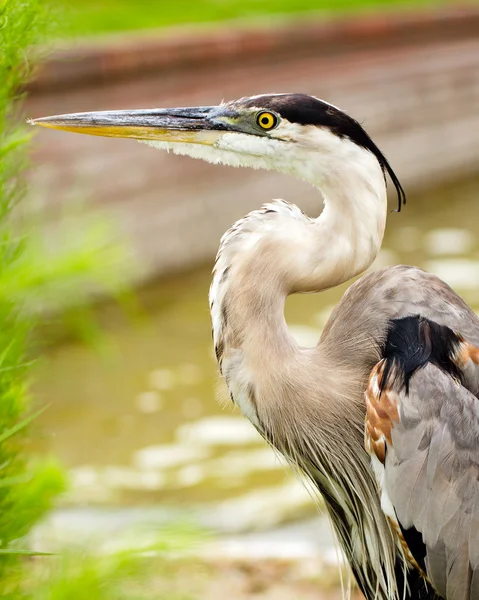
x,y
277,251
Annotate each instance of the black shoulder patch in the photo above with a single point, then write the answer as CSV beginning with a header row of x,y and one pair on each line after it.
x,y
308,110
411,343
416,545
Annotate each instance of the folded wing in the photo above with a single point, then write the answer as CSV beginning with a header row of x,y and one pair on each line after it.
x,y
422,431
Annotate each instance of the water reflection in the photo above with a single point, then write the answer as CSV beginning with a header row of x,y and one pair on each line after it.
x,y
142,424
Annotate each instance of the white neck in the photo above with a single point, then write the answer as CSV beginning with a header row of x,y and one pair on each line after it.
x,y
278,250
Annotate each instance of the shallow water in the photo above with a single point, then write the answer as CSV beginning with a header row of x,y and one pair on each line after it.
x,y
139,421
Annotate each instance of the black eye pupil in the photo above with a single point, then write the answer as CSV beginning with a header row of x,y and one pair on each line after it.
x,y
264,120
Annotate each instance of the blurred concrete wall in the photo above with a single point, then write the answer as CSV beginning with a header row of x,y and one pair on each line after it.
x,y
412,80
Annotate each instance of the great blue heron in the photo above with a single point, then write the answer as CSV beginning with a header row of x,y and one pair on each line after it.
x,y
383,414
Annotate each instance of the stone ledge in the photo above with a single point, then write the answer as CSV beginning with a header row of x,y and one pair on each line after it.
x,y
130,56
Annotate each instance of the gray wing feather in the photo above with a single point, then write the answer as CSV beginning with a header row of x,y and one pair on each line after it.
x,y
393,293
475,585
432,478
436,566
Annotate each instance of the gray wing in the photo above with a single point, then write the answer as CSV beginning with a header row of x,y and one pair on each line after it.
x,y
432,478
358,324
423,429
424,433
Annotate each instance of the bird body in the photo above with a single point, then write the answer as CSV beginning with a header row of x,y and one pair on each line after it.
x,y
382,416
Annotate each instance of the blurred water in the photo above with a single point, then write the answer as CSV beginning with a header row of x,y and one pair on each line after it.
x,y
140,422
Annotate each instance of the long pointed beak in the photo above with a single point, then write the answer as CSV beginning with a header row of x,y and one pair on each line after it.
x,y
193,125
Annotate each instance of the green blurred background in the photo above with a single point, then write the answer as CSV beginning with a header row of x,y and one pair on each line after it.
x,y
88,17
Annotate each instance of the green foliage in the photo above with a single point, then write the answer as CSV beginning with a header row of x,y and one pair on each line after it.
x,y
32,277
85,577
83,260
27,489
21,25
151,572
87,17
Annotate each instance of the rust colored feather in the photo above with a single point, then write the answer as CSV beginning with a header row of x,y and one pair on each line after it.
x,y
381,412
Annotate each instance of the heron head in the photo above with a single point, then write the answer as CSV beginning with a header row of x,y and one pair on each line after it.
x,y
292,133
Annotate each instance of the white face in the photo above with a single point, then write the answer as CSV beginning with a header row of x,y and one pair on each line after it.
x,y
307,152
234,149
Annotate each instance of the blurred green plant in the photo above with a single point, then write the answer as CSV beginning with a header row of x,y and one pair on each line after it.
x,y
26,489
157,570
88,17
33,277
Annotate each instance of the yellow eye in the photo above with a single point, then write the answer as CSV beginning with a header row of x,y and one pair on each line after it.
x,y
266,120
